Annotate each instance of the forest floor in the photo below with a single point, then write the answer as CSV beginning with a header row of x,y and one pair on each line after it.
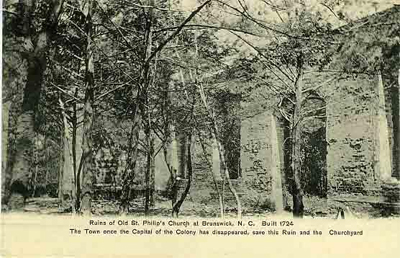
x,y
314,208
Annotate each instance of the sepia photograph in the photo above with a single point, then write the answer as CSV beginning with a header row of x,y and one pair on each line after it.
x,y
173,114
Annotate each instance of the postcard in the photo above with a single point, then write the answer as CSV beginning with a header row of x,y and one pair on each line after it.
x,y
200,128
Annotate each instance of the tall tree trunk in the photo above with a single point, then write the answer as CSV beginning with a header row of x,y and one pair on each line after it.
x,y
66,179
172,162
216,172
132,157
20,163
398,123
174,159
139,113
46,171
287,157
177,205
35,170
215,179
85,191
170,144
216,161
60,173
149,165
20,169
4,148
150,139
152,176
78,113
298,206
396,127
385,168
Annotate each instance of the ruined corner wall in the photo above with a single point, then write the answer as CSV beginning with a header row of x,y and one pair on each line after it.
x,y
351,136
256,158
202,190
353,167
262,166
354,148
205,167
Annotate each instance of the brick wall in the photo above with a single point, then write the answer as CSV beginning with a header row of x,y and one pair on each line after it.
x,y
351,109
351,136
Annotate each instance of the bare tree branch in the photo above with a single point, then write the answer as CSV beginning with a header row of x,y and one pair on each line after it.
x,y
204,26
173,35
